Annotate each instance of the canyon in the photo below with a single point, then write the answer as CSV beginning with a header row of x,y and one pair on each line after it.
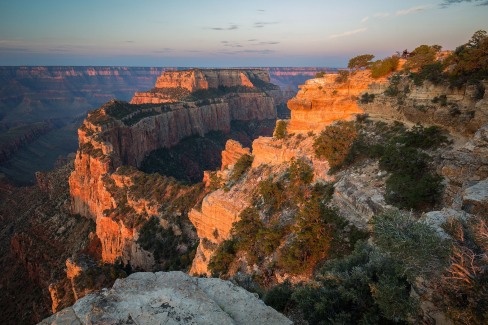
x,y
42,107
120,134
131,212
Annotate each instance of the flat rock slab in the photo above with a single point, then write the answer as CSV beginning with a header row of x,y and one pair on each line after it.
x,y
169,298
475,198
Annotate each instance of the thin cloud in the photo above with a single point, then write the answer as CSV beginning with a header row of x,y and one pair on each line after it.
x,y
261,24
269,43
261,10
261,52
252,40
411,10
381,14
231,44
231,27
129,41
165,50
448,3
365,19
349,33
15,49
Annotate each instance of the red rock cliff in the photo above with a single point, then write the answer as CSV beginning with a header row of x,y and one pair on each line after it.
x,y
121,134
321,101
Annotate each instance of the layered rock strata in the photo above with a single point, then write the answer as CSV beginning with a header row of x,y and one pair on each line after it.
x,y
221,208
169,298
321,101
459,110
121,134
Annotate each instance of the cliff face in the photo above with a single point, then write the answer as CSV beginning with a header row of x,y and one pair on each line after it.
x,y
457,109
41,108
198,79
221,208
323,100
30,96
38,235
121,134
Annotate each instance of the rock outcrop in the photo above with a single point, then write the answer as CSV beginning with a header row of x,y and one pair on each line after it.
x,y
322,101
233,151
120,134
459,110
169,298
221,208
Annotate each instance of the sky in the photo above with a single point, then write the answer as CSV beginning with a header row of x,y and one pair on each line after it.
x,y
228,33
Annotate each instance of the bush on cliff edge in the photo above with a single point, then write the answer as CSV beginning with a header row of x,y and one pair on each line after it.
x,y
334,143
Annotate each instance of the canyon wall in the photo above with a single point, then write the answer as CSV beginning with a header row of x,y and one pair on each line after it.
x,y
321,101
61,97
41,108
120,134
458,110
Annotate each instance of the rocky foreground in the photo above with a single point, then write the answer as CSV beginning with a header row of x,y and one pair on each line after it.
x,y
169,298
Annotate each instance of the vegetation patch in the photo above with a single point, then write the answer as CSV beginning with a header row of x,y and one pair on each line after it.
x,y
290,227
280,130
241,167
384,67
164,243
334,143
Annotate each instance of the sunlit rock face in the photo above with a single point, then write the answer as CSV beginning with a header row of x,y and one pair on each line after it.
x,y
120,134
321,101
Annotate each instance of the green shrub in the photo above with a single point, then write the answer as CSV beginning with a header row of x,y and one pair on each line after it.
x,y
366,98
433,72
410,185
415,245
360,61
315,228
365,287
392,89
343,76
253,237
320,74
222,258
241,167
272,194
471,60
442,99
430,137
334,143
384,67
279,296
423,55
163,243
280,129
300,175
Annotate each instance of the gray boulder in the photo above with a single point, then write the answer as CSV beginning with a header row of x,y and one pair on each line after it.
x,y
169,298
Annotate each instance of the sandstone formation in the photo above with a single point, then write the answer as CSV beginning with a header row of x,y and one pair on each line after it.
x,y
120,134
233,151
221,208
458,110
321,101
169,298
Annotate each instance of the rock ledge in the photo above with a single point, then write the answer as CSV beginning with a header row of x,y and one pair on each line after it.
x,y
169,298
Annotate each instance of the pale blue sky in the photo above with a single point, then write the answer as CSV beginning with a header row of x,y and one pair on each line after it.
x,y
216,33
